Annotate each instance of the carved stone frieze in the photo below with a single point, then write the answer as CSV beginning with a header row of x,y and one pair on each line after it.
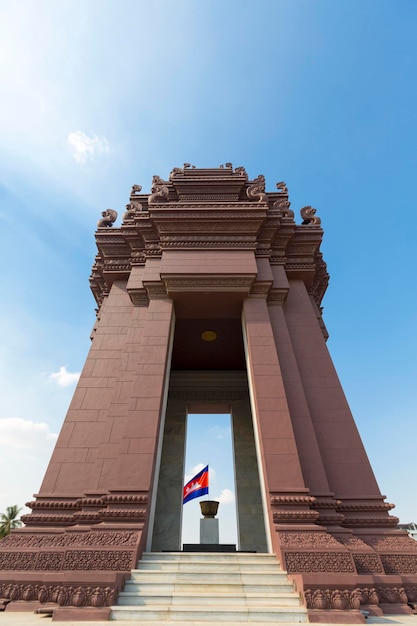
x,y
295,516
293,500
370,521
239,282
62,595
63,539
308,540
394,543
368,563
399,563
17,560
298,562
118,560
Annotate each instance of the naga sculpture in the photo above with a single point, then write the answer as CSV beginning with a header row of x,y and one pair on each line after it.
x,y
130,211
308,215
109,216
256,189
159,190
181,170
283,206
282,187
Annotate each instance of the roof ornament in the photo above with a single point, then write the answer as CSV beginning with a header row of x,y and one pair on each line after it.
x,y
240,170
283,206
282,187
256,189
181,170
228,166
109,216
159,191
130,211
135,190
309,217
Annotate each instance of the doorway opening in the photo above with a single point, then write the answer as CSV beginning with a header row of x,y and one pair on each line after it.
x,y
209,441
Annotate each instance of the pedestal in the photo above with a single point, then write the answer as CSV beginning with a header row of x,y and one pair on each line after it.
x,y
209,530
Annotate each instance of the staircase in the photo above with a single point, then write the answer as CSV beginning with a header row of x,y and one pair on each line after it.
x,y
197,588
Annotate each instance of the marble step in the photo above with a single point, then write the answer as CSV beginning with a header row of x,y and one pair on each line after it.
x,y
260,578
197,586
168,566
230,614
202,588
195,598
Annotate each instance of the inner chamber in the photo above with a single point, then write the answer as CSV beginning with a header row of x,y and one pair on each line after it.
x,y
208,375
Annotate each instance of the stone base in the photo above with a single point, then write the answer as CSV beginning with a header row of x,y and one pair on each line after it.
x,y
22,606
209,530
84,614
395,609
209,547
335,617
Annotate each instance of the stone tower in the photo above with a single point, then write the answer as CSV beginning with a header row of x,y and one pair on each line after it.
x,y
209,251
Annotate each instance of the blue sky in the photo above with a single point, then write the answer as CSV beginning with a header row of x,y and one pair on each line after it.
x,y
99,95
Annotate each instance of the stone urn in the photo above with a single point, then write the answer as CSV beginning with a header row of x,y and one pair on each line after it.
x,y
209,508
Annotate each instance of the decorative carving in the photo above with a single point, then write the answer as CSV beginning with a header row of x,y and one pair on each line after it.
x,y
353,543
93,538
136,189
399,563
129,213
311,540
308,215
371,521
228,166
389,543
368,564
282,187
126,498
181,170
240,170
49,561
293,500
17,560
256,189
98,560
295,516
297,562
392,595
283,206
159,191
109,216
379,506
72,596
411,591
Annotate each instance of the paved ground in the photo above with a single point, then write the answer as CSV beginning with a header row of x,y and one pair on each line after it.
x,y
30,619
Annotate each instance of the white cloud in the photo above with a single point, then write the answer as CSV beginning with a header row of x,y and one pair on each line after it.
x,y
63,378
19,434
197,468
84,148
226,496
25,447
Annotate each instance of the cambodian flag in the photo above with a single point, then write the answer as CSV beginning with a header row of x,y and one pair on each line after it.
x,y
197,486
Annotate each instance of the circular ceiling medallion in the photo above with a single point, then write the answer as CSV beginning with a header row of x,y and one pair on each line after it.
x,y
209,335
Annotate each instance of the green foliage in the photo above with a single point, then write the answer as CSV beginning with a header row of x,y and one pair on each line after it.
x,y
9,521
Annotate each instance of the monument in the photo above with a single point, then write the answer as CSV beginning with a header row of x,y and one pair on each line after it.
x,y
209,298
